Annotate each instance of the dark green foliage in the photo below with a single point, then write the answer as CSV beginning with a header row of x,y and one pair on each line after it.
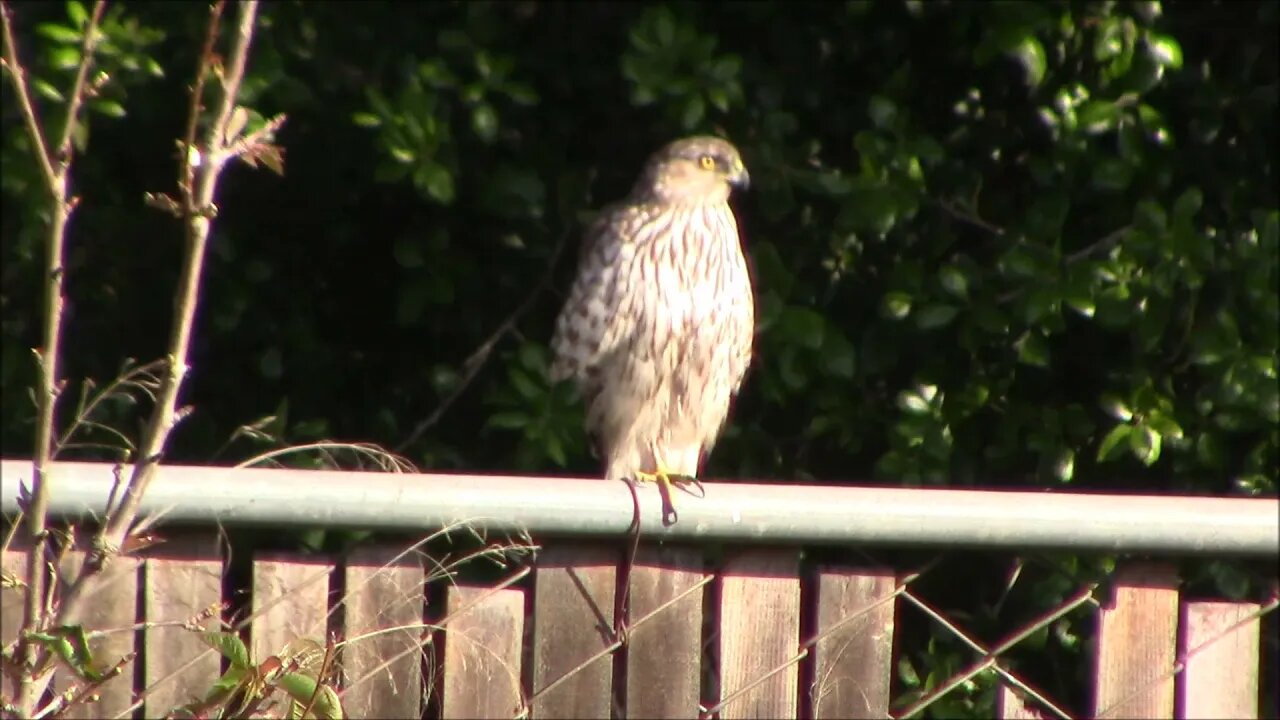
x,y
994,244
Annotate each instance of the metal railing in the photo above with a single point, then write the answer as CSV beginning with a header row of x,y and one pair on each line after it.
x,y
782,512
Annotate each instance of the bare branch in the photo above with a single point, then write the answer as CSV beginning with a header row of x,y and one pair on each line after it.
x,y
967,217
198,207
19,79
88,45
55,170
186,178
477,359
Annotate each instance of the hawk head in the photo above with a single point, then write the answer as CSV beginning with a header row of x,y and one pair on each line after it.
x,y
695,170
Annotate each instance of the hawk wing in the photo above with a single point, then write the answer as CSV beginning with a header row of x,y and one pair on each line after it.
x,y
592,322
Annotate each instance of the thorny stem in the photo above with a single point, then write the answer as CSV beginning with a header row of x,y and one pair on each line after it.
x,y
56,165
197,210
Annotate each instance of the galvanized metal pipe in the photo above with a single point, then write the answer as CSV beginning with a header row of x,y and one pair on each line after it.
x,y
782,513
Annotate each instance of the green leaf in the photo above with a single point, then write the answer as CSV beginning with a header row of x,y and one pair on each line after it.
x,y
663,26
365,119
46,90
77,14
695,108
882,111
271,363
510,420
411,303
935,316
71,644
1063,465
484,120
305,690
1113,443
555,450
1165,50
801,326
792,374
1030,54
1149,217
1164,425
840,356
914,402
1145,444
1112,174
227,684
60,33
1187,205
231,647
408,253
1115,407
110,108
436,180
523,384
64,57
1098,116
954,280
1032,350
895,305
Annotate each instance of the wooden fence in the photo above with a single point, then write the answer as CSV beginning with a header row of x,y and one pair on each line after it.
x,y
754,634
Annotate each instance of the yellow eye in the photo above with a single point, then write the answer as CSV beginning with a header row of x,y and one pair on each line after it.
x,y
707,162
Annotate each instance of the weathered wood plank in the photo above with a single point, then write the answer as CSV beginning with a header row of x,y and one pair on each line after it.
x,y
13,592
664,653
482,653
760,633
181,579
1137,641
854,664
112,607
290,601
383,591
573,621
1011,705
1221,677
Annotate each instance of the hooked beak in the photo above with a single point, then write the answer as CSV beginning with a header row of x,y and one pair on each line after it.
x,y
740,178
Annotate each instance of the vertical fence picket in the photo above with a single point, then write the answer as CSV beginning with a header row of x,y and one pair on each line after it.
x,y
384,591
13,592
1011,705
854,664
574,589
113,609
482,644
759,633
1221,676
290,602
181,579
664,653
1137,636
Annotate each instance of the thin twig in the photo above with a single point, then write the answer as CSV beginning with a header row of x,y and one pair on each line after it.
x,y
197,209
968,217
55,170
19,79
1103,244
474,362
186,170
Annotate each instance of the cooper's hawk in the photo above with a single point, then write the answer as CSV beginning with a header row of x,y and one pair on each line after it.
x,y
658,325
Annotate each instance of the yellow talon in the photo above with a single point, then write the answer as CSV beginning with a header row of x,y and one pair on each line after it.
x,y
666,481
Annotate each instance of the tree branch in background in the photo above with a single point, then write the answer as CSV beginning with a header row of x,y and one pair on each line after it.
x,y
478,357
56,165
1101,245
